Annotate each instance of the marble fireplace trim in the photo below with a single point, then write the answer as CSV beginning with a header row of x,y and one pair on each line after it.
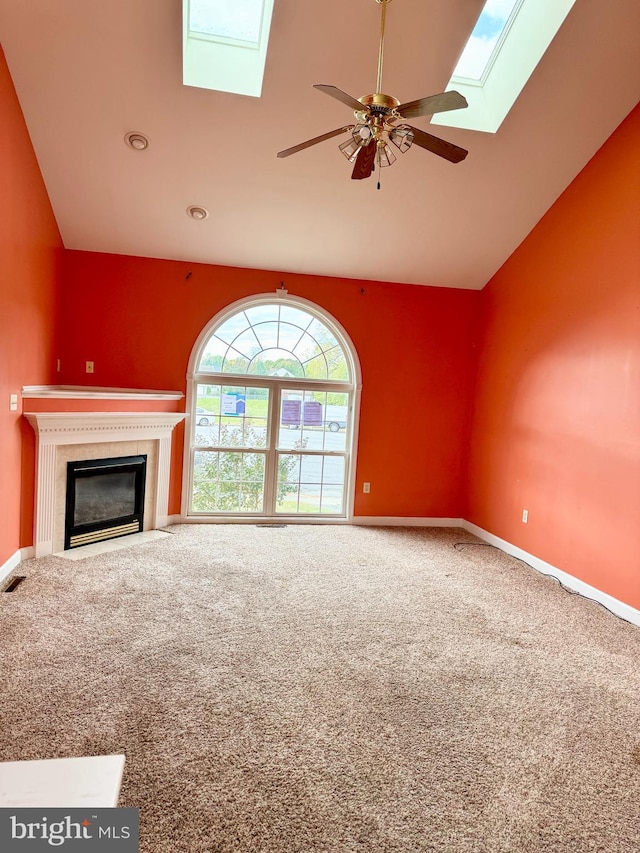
x,y
93,433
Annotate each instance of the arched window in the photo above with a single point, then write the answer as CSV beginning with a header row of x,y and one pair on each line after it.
x,y
272,393
275,339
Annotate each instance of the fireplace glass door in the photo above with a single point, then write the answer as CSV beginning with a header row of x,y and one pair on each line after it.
x,y
105,499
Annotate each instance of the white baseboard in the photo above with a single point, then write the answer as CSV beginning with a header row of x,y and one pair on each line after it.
x,y
12,563
174,519
397,521
625,611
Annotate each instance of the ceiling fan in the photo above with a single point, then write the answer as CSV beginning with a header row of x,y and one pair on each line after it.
x,y
381,119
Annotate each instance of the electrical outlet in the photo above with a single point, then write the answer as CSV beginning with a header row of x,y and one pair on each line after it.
x,y
525,516
366,488
58,365
13,402
89,367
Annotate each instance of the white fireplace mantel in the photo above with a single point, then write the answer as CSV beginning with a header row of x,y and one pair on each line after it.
x,y
70,428
90,427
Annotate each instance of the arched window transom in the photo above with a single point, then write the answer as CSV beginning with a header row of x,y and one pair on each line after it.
x,y
275,340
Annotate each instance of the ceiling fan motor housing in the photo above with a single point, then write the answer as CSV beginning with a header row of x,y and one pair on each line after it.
x,y
379,103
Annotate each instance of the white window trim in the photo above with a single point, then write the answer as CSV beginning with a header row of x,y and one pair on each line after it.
x,y
194,378
225,39
223,64
533,28
457,79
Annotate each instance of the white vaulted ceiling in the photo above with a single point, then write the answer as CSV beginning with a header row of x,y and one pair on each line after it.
x,y
86,72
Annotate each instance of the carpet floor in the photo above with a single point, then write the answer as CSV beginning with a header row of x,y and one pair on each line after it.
x,y
333,689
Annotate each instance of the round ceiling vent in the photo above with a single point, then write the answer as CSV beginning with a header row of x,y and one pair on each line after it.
x,y
137,141
196,212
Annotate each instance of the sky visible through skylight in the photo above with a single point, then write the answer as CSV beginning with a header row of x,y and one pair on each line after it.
x,y
233,19
484,38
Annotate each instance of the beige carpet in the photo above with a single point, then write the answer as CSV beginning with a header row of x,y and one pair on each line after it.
x,y
331,689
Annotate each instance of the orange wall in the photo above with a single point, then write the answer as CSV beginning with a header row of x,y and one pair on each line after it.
x,y
30,254
138,319
556,424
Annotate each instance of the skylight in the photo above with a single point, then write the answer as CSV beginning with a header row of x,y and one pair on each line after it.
x,y
485,38
225,44
239,20
508,41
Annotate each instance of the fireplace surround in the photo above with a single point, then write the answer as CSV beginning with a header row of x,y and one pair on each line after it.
x,y
64,437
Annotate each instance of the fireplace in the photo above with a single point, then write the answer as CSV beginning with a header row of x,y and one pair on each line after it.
x,y
87,436
105,499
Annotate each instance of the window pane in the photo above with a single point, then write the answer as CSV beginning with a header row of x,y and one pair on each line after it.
x,y
332,499
288,499
228,481
324,337
267,334
306,348
316,368
333,472
232,327
337,363
206,423
290,336
263,314
213,355
309,498
289,314
313,420
231,416
275,362
310,483
244,413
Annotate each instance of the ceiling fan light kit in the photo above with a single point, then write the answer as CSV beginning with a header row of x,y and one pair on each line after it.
x,y
381,119
402,138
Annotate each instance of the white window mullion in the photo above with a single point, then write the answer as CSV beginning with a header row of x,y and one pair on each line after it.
x,y
271,464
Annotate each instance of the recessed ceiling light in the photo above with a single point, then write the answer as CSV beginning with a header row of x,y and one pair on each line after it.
x,y
137,141
196,212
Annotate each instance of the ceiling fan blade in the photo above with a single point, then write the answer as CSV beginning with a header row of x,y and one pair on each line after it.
x,y
438,146
339,95
365,162
433,104
295,148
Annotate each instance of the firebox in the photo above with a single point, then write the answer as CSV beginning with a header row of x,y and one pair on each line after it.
x,y
105,499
